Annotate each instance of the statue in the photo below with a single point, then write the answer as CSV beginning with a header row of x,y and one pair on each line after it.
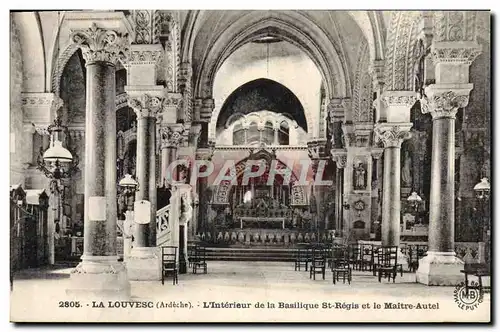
x,y
406,176
359,176
186,209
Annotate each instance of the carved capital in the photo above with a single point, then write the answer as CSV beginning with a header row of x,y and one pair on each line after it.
x,y
393,134
172,136
100,45
317,149
340,157
143,55
145,105
391,100
453,52
444,103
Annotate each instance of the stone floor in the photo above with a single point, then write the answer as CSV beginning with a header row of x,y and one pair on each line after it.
x,y
255,290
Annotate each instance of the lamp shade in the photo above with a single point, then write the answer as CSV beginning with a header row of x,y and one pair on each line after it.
x,y
484,185
57,153
414,197
128,182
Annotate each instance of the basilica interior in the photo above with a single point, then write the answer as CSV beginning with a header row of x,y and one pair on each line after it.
x,y
393,108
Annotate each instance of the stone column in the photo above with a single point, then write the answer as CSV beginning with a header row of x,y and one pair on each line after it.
x,y
143,262
442,100
441,266
317,153
146,99
171,136
392,135
100,273
340,158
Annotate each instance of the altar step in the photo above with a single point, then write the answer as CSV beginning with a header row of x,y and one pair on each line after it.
x,y
251,254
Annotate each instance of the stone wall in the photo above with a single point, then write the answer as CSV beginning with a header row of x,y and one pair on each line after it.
x,y
16,111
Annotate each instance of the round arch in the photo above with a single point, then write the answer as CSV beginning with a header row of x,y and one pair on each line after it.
x,y
402,41
292,27
300,114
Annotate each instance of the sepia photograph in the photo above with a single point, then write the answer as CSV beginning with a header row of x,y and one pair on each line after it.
x,y
250,166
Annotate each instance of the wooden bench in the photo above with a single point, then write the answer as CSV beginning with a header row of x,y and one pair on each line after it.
x,y
478,270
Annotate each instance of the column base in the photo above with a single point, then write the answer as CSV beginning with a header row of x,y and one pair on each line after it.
x,y
144,263
440,269
99,277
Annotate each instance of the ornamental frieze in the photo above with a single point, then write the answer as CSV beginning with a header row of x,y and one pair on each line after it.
x,y
458,55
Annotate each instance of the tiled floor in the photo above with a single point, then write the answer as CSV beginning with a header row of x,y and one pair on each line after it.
x,y
36,294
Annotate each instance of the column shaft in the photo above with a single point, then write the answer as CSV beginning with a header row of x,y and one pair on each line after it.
x,y
168,155
100,159
145,234
391,203
442,203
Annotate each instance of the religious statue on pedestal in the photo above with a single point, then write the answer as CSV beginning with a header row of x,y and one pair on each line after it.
x,y
359,176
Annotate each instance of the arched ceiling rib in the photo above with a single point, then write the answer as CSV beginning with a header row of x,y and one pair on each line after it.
x,y
226,31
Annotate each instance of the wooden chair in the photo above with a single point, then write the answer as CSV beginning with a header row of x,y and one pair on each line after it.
x,y
332,253
199,259
354,254
191,253
478,270
415,253
318,262
387,264
169,263
340,264
302,257
367,257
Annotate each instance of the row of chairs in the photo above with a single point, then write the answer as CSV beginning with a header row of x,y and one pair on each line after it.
x,y
342,259
170,264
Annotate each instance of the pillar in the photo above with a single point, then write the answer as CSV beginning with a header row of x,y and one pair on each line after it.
x,y
442,100
100,275
147,100
317,153
441,266
340,158
392,135
144,259
171,137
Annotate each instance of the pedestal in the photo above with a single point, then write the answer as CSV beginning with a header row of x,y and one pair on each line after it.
x,y
144,263
99,277
440,269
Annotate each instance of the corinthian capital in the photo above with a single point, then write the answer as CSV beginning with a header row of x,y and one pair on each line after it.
x,y
443,102
100,44
172,136
393,134
145,105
